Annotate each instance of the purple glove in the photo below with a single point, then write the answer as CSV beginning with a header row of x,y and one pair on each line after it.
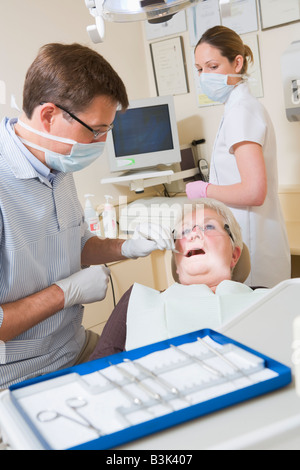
x,y
196,189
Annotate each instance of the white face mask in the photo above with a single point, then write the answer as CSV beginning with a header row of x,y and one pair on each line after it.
x,y
81,156
215,87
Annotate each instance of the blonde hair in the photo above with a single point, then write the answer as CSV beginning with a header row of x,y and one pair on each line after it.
x,y
229,44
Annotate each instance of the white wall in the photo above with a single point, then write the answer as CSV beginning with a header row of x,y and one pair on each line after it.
x,y
195,123
25,25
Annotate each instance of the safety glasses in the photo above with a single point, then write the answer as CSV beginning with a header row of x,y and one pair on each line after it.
x,y
102,131
99,133
209,229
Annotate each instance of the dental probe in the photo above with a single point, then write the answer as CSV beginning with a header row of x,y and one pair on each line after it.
x,y
221,356
133,378
134,399
217,353
159,379
198,361
162,381
178,252
140,384
146,236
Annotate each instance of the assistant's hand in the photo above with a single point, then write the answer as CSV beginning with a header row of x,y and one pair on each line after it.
x,y
196,189
147,238
86,286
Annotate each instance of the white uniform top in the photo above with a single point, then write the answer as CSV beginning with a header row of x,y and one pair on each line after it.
x,y
263,227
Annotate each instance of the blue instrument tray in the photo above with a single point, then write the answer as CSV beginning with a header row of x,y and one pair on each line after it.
x,y
197,396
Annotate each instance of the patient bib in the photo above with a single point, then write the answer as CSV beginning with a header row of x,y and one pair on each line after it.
x,y
153,316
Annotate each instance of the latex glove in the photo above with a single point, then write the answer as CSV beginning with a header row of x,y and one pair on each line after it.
x,y
147,238
196,189
86,286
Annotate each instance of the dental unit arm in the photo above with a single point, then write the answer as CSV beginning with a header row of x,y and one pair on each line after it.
x,y
154,11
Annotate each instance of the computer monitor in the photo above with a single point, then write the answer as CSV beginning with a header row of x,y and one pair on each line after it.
x,y
144,136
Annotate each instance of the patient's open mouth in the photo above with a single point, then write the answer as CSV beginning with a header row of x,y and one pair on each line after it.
x,y
199,251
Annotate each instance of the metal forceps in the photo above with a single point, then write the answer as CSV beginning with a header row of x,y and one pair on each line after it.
x,y
74,404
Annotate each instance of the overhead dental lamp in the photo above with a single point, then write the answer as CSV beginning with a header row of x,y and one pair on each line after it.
x,y
122,11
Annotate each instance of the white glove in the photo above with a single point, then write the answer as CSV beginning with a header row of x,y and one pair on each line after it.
x,y
147,238
86,286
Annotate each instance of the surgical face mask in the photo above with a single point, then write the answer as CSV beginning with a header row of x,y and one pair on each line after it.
x,y
81,156
215,87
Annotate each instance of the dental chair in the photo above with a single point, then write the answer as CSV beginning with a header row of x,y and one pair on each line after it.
x,y
240,272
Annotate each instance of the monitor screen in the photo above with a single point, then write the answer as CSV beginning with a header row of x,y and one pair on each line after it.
x,y
144,136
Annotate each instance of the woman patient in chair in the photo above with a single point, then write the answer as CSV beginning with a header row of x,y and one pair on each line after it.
x,y
208,292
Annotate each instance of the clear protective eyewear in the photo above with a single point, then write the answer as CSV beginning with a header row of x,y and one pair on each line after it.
x,y
210,229
101,132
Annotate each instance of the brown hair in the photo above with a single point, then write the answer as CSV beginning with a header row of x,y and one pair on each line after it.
x,y
70,75
229,44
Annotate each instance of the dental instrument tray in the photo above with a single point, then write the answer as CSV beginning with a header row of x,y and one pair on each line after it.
x,y
110,401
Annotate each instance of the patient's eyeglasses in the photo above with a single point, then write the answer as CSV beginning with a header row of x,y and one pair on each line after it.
x,y
102,130
210,229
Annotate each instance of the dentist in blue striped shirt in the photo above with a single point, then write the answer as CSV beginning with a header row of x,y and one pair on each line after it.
x,y
70,98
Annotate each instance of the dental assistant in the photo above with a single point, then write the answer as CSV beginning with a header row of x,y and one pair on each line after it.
x,y
243,170
50,263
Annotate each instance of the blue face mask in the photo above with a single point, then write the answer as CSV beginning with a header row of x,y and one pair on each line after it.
x,y
81,156
215,87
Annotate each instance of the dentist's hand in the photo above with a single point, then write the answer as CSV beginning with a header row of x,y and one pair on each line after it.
x,y
86,286
147,238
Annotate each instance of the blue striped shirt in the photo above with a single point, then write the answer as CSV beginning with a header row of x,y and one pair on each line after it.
x,y
42,234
